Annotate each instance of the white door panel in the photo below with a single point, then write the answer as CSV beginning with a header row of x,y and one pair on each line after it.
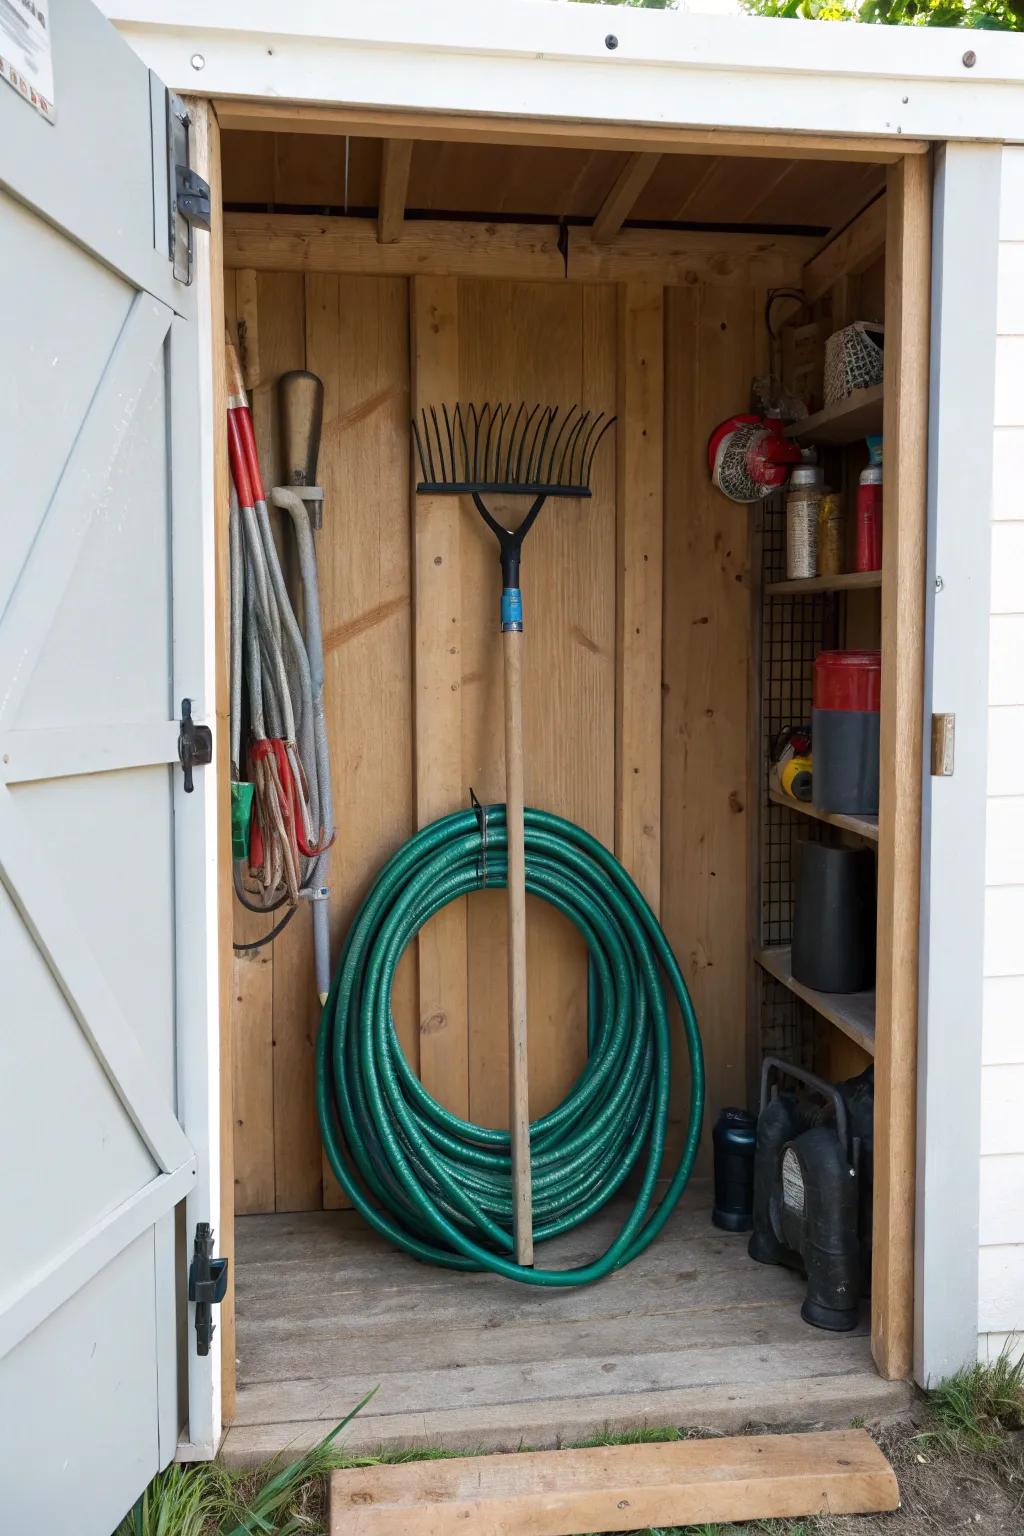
x,y
107,867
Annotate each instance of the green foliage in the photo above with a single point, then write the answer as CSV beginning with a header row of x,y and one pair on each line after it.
x,y
986,15
646,5
210,1500
975,1408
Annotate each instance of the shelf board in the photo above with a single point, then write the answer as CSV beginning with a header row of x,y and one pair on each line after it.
x,y
851,581
862,826
851,1012
856,416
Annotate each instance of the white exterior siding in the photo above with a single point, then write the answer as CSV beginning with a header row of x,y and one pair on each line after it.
x,y
1001,1232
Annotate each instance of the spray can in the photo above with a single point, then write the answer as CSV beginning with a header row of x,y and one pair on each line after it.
x,y
803,504
868,555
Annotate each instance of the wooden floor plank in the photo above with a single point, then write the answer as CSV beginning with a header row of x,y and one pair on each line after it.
x,y
618,1488
693,1332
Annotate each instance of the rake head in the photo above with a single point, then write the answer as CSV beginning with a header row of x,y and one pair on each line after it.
x,y
516,450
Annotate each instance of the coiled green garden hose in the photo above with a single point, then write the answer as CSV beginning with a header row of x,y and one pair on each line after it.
x,y
438,1186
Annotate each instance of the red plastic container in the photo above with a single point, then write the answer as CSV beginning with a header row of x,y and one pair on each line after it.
x,y
845,731
848,680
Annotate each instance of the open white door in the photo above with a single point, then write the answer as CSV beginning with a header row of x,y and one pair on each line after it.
x,y
107,865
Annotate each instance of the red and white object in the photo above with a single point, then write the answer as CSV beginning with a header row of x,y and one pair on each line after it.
x,y
749,458
868,556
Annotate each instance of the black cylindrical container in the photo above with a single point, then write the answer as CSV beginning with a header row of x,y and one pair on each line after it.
x,y
734,1139
844,725
834,919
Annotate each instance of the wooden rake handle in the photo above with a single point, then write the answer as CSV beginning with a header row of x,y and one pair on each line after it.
x,y
519,1090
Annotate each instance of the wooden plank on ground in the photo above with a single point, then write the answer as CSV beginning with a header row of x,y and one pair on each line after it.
x,y
639,581
618,1487
437,665
907,316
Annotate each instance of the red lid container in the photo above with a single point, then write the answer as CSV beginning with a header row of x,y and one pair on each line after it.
x,y
848,680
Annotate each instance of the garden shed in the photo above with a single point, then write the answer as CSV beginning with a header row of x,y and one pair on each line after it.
x,y
636,214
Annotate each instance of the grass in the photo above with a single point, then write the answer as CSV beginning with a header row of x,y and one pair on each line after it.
x,y
972,1422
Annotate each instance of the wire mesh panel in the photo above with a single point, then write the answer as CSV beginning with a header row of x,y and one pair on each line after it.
x,y
794,628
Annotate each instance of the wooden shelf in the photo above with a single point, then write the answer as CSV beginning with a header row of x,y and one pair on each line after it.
x,y
851,1012
862,826
852,581
857,416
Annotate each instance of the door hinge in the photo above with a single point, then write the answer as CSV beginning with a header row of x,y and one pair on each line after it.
x,y
943,745
207,1285
188,194
195,744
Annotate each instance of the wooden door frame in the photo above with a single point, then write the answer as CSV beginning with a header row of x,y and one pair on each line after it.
x,y
906,417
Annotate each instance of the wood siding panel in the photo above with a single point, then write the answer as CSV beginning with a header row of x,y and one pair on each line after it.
x,y
710,353
357,341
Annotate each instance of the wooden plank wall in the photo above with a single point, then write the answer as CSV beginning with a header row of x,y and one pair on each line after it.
x,y
413,685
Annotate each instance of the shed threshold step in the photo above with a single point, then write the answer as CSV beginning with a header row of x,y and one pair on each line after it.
x,y
832,1401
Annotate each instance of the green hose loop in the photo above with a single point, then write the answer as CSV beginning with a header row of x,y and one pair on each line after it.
x,y
436,1185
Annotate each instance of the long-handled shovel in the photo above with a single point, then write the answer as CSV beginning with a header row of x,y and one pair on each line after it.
x,y
506,451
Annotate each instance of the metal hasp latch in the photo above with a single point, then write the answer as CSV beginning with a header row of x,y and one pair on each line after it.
x,y
943,745
195,744
207,1284
188,193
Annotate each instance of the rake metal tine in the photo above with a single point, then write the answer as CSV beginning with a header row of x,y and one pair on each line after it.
x,y
495,421
440,446
526,432
460,422
566,420
595,422
574,438
538,466
474,423
530,472
419,450
597,443
512,442
450,472
504,412
558,478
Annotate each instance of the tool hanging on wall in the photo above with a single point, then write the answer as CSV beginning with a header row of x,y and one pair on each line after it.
x,y
537,453
282,813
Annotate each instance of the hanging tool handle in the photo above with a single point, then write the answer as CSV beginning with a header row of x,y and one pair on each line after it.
x,y
301,399
519,1090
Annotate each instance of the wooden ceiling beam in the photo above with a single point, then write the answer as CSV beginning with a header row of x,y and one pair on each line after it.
x,y
299,242
851,252
542,133
686,257
394,185
622,198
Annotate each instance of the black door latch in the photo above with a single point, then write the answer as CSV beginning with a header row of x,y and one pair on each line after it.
x,y
195,744
207,1285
